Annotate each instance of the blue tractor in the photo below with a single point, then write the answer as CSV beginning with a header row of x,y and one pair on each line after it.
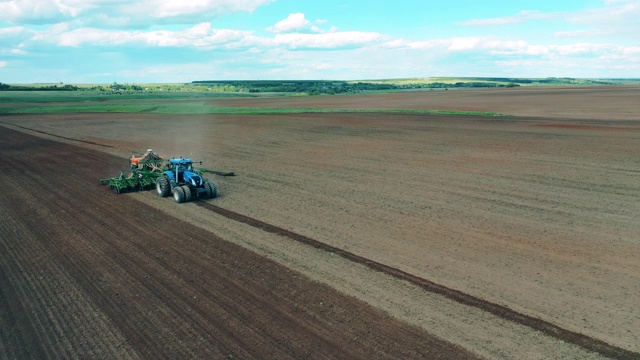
x,y
183,182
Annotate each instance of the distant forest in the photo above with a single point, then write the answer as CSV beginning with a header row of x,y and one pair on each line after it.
x,y
7,87
329,87
322,87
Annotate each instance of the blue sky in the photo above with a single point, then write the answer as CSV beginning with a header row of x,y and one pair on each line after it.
x,y
164,41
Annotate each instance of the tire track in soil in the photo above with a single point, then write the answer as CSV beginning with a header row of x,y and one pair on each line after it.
x,y
550,329
64,137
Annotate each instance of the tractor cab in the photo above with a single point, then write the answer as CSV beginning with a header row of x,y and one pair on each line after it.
x,y
181,172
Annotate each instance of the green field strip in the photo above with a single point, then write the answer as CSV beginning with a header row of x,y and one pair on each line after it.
x,y
194,108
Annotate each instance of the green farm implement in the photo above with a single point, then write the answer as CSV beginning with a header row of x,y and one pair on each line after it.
x,y
144,172
136,180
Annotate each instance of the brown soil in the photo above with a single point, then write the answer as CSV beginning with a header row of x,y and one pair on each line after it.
x,y
538,216
598,102
87,274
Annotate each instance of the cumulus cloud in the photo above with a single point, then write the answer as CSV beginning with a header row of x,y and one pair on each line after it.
x,y
523,16
298,23
614,18
12,39
127,30
293,22
618,18
122,12
179,8
12,31
198,36
35,11
509,48
335,40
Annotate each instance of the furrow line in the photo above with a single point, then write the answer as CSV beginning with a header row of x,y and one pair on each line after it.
x,y
64,137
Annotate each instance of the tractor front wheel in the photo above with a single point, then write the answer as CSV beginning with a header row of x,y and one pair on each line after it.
x,y
162,186
211,190
178,194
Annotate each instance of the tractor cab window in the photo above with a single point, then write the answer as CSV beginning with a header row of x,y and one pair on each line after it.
x,y
185,167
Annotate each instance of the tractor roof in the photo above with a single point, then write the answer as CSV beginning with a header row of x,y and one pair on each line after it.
x,y
181,161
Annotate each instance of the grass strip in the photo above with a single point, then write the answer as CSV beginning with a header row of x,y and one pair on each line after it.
x,y
194,108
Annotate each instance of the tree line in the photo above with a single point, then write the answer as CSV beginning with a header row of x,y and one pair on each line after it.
x,y
55,87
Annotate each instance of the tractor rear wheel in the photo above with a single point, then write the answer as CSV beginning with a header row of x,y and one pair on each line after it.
x,y
187,193
162,186
178,194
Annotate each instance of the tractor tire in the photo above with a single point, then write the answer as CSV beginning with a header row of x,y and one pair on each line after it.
x,y
211,190
178,194
187,193
162,186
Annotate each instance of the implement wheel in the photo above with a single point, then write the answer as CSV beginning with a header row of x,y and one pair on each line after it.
x,y
178,194
162,186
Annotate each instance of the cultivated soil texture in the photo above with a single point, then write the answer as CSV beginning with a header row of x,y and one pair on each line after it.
x,y
366,235
91,275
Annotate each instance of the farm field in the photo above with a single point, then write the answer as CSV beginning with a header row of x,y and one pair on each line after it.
x,y
577,103
343,235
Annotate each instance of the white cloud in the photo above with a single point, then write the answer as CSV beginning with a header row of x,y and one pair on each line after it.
x,y
17,51
616,17
611,20
333,40
122,12
42,11
523,16
12,39
198,36
632,50
3,63
462,44
599,40
12,31
511,49
179,8
604,65
293,22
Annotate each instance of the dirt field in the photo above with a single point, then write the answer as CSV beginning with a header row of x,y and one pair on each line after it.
x,y
578,103
507,237
87,274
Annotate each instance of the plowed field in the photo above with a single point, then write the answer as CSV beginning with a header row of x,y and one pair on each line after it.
x,y
87,274
366,235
